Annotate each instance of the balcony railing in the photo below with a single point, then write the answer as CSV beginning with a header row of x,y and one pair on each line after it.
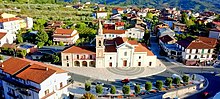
x,y
12,95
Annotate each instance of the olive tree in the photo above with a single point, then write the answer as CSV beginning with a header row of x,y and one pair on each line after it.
x,y
137,89
126,89
99,89
113,90
148,86
168,81
159,85
87,86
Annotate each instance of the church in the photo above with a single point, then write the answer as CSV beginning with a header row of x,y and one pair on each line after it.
x,y
111,52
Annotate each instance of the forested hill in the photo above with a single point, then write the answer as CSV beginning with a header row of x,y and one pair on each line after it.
x,y
197,5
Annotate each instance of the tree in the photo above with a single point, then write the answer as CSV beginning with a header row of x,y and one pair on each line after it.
x,y
55,59
150,15
19,39
88,96
126,89
159,84
40,44
99,89
61,43
190,22
137,89
87,86
184,18
113,90
22,53
176,81
148,86
1,57
39,24
42,36
185,78
50,42
81,25
168,81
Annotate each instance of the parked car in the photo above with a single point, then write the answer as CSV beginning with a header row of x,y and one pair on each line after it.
x,y
131,84
99,83
125,80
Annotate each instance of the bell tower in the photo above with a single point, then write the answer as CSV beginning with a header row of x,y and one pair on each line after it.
x,y
100,47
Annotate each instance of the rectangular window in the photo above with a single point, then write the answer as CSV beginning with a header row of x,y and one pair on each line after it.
x,y
125,63
209,51
67,64
66,57
202,51
77,56
46,91
139,63
207,56
110,58
189,56
195,57
139,57
190,50
90,56
125,53
197,51
150,63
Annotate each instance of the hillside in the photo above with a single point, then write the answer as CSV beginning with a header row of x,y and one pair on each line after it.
x,y
197,5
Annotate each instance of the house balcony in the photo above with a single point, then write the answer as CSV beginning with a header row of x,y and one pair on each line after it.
x,y
24,92
84,58
12,95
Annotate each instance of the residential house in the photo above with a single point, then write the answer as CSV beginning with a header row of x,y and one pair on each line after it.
x,y
135,32
101,7
117,10
53,25
113,25
179,27
32,80
6,37
168,21
142,13
165,31
114,52
101,14
67,36
110,34
215,32
198,51
30,48
6,15
12,24
168,46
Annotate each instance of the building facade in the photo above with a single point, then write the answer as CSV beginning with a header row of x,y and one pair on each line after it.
x,y
109,52
67,36
32,80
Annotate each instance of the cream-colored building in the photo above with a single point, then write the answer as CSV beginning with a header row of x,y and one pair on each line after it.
x,y
113,52
67,36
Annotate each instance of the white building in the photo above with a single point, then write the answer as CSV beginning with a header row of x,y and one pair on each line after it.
x,y
109,52
101,14
67,36
110,34
6,36
198,51
33,80
135,32
12,24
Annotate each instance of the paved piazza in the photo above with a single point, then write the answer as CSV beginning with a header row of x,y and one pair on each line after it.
x,y
114,74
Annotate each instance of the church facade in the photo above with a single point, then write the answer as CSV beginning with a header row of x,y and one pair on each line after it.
x,y
114,52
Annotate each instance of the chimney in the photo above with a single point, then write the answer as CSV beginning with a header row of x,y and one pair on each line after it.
x,y
47,68
2,65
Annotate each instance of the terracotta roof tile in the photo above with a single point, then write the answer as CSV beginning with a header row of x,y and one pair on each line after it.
x,y
63,31
2,34
36,73
9,19
13,65
55,36
105,31
110,48
199,45
29,70
80,49
166,38
209,41
143,48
